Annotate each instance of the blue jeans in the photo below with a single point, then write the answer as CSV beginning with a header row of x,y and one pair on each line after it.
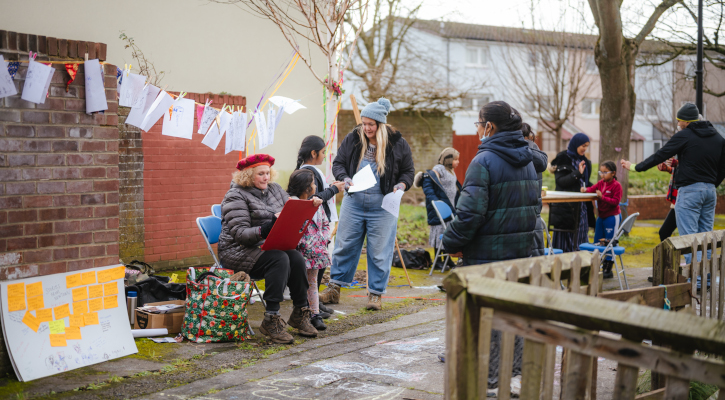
x,y
606,228
695,211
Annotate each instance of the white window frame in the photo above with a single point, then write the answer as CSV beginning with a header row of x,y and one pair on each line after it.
x,y
477,102
482,56
647,109
592,104
591,62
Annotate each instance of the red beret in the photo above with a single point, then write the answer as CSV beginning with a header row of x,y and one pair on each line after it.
x,y
255,160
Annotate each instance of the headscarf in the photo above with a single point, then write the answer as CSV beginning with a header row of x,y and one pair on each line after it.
x,y
446,158
576,141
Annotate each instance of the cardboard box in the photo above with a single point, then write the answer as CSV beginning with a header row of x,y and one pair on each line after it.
x,y
170,321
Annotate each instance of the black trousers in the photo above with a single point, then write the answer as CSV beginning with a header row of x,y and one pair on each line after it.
x,y
669,226
281,269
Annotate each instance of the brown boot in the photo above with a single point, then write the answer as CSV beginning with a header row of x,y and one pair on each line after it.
x,y
375,302
300,319
331,295
274,327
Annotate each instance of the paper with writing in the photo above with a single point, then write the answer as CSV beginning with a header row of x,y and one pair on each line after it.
x,y
262,133
363,180
207,118
34,289
271,127
214,136
7,86
76,320
391,202
95,291
73,333
88,278
95,91
142,105
61,311
37,81
131,88
80,293
109,288
236,133
31,321
58,340
35,303
72,281
90,318
44,315
288,105
16,290
118,272
95,304
16,303
57,326
80,307
110,302
181,121
158,108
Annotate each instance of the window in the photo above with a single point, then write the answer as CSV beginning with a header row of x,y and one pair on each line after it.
x,y
690,71
658,145
591,106
530,105
591,65
533,59
477,56
475,103
647,108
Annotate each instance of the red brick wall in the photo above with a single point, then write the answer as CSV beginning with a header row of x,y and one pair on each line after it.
x,y
182,179
657,207
58,168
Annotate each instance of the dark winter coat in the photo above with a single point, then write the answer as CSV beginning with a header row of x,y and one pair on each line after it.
x,y
565,215
701,154
398,160
541,161
433,189
496,213
244,211
324,194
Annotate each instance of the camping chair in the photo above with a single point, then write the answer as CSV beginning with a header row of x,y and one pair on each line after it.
x,y
216,210
613,249
443,212
210,228
549,250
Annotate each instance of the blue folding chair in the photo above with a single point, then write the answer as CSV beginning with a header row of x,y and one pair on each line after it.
x,y
549,250
216,210
443,212
613,249
210,228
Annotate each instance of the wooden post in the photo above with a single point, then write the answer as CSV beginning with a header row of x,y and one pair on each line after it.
x,y
677,389
462,348
531,370
625,384
484,350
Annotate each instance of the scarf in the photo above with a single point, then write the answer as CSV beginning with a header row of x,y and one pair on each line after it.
x,y
571,150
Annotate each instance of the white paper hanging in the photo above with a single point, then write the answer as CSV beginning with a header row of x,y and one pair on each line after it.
x,y
216,131
271,127
157,109
181,121
37,82
7,86
142,105
131,89
207,118
261,129
95,91
237,133
289,105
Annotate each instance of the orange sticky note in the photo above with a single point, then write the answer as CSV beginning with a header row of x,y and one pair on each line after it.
x,y
110,288
16,303
110,302
88,278
34,289
105,276
72,281
118,272
58,340
80,307
76,320
31,321
95,291
80,293
35,303
44,315
90,318
16,290
61,311
73,333
95,304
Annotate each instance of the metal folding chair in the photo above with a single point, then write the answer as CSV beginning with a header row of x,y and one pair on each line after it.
x,y
613,249
443,212
549,250
216,210
210,228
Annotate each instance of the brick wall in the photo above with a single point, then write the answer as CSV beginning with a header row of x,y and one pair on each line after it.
x,y
657,207
130,169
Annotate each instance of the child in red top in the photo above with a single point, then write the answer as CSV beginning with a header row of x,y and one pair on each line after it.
x,y
609,193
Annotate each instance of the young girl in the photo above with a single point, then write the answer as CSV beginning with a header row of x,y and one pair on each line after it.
x,y
609,194
313,245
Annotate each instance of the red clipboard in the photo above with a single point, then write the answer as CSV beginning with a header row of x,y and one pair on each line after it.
x,y
289,227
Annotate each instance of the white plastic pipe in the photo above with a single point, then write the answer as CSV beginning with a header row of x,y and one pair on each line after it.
x,y
137,333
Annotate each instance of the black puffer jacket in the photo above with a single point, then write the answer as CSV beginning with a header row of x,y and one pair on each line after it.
x,y
398,160
541,161
564,215
244,211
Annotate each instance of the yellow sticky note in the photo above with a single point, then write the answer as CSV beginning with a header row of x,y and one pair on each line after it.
x,y
44,315
31,321
58,340
110,302
16,303
57,326
90,318
95,304
80,307
88,278
105,275
76,320
72,281
61,311
16,289
95,291
118,272
110,288
34,289
35,303
174,277
80,293
72,333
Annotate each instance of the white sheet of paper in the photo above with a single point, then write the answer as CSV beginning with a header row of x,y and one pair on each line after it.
x,y
37,80
236,133
7,86
158,108
363,180
142,105
289,105
214,136
391,202
261,129
181,122
207,118
131,89
271,127
95,91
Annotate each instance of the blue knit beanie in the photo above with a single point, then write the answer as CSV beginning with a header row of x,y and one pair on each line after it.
x,y
377,111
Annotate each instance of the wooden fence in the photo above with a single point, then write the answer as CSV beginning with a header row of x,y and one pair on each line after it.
x,y
493,297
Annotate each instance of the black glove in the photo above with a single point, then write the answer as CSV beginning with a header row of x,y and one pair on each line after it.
x,y
266,228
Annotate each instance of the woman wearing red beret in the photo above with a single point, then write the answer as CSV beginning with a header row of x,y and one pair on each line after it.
x,y
249,210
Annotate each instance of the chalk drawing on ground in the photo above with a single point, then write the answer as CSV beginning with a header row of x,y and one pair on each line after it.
x,y
295,389
347,367
323,379
398,358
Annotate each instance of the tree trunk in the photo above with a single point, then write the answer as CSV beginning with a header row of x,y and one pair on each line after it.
x,y
557,134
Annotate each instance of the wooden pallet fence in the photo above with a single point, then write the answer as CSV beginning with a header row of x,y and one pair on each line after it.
x,y
668,254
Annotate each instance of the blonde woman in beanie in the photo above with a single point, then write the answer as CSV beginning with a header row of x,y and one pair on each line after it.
x,y
378,145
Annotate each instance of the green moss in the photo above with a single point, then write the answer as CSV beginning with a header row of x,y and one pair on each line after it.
x,y
149,350
13,389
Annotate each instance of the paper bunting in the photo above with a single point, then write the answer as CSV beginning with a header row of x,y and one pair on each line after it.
x,y
214,136
199,113
95,91
7,86
142,105
261,123
237,133
271,119
13,68
131,89
180,120
207,118
119,75
72,70
289,105
37,82
156,111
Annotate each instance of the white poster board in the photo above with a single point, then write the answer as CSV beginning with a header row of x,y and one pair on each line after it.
x,y
104,332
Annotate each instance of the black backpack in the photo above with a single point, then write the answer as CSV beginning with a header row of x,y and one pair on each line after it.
x,y
414,259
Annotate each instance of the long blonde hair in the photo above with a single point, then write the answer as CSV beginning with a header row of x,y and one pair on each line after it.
x,y
382,138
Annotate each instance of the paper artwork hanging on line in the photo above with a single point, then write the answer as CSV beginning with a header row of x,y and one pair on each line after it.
x,y
158,108
179,119
236,133
289,105
261,124
142,105
7,86
95,91
216,131
131,89
37,82
207,118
